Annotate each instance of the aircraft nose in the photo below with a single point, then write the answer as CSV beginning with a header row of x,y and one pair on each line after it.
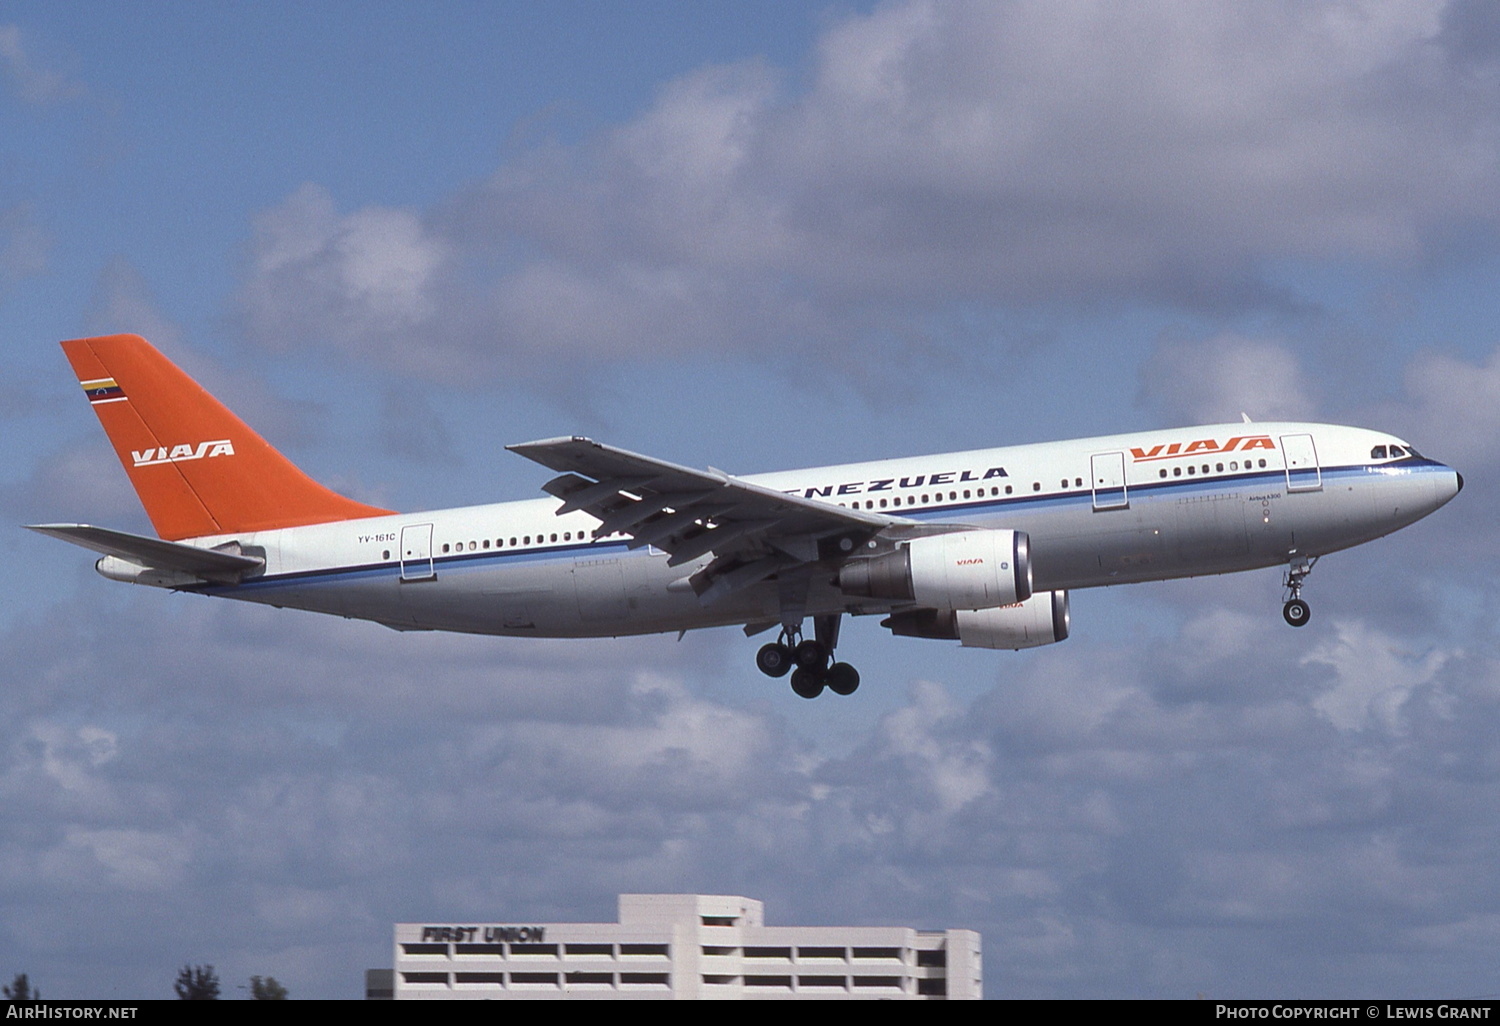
x,y
1447,486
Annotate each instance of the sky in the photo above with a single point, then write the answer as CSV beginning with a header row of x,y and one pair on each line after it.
x,y
396,237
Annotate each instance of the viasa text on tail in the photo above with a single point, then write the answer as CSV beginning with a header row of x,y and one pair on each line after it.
x,y
976,547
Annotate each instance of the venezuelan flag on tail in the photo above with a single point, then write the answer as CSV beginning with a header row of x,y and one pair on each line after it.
x,y
198,469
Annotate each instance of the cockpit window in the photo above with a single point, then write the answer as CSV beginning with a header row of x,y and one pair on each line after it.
x,y
1377,453
1396,450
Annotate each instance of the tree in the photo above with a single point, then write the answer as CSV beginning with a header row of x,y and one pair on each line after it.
x,y
266,989
20,990
197,983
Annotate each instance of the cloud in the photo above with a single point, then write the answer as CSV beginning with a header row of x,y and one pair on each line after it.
x,y
1374,679
1164,801
1456,404
371,272
24,245
33,82
939,156
1217,379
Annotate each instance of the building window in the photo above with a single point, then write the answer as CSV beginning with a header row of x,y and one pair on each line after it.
x,y
534,949
643,949
479,949
425,949
590,949
780,982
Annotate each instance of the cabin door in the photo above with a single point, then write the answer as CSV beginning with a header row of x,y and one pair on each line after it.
x,y
1302,471
416,553
1109,481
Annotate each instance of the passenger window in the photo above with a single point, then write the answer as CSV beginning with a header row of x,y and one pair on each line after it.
x,y
1078,482
486,543
1036,486
1176,471
445,546
1262,463
1219,467
1234,464
1007,489
1192,471
554,537
1163,471
512,543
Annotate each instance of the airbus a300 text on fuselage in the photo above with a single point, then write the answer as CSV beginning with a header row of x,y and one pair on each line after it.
x,y
978,547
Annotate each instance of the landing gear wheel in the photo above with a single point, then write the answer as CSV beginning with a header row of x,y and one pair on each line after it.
x,y
1296,612
774,660
842,679
811,655
806,683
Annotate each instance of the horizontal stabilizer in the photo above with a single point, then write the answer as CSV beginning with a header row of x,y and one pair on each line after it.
x,y
210,564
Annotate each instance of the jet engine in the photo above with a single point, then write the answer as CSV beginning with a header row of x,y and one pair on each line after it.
x,y
961,570
1040,620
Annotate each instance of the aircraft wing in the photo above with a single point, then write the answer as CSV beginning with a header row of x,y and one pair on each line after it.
x,y
153,553
752,531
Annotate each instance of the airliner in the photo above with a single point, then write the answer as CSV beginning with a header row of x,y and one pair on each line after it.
x,y
977,547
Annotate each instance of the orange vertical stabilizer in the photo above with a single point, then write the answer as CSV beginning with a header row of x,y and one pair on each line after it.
x,y
198,469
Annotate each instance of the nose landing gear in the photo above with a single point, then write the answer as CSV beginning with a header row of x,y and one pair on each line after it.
x,y
812,657
1296,612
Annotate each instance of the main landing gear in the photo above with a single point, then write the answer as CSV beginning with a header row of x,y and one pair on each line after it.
x,y
1296,611
810,660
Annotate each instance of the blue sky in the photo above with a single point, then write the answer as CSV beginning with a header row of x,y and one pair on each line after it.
x,y
397,237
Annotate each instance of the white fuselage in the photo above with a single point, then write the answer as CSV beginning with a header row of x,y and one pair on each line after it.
x,y
1099,511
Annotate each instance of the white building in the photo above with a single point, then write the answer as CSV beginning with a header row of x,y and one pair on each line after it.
x,y
683,946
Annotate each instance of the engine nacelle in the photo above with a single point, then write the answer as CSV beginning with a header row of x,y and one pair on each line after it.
x,y
1040,620
962,570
